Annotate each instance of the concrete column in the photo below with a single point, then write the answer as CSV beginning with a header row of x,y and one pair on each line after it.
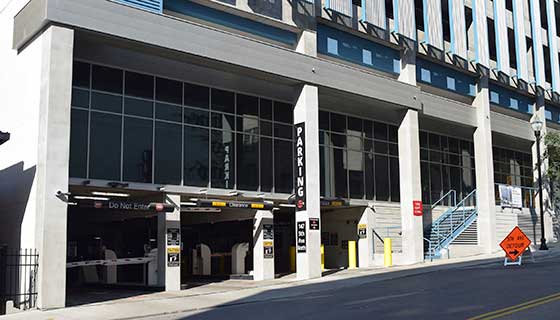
x,y
307,43
55,49
169,246
410,189
484,167
408,66
365,239
539,111
306,168
263,245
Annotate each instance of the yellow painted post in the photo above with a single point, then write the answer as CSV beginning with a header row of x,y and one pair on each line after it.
x,y
388,254
322,257
293,259
352,261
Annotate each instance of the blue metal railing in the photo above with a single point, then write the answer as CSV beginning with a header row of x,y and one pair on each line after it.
x,y
451,224
528,195
451,193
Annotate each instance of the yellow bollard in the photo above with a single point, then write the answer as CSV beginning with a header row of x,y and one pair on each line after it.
x,y
388,255
322,257
293,259
352,261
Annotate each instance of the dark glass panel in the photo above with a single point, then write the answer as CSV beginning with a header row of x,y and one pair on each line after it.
x,y
78,143
424,155
222,121
455,179
425,177
247,105
323,167
169,112
380,131
266,165
139,85
196,163
105,146
80,98
327,173
370,182
338,123
368,145
338,140
368,129
340,173
381,177
445,177
196,96
393,133
223,101
393,149
381,147
266,128
355,126
248,124
395,189
283,112
323,120
283,164
197,117
137,150
266,109
435,179
107,79
80,74
434,141
453,145
223,159
423,139
356,174
283,131
106,102
138,107
247,162
169,91
168,153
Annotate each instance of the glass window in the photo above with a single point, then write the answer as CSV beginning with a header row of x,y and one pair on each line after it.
x,y
380,131
105,146
381,177
80,98
223,101
248,124
137,150
169,91
138,107
196,96
80,74
107,79
283,112
248,161
354,126
247,105
168,154
393,133
222,121
283,163
323,171
338,123
283,131
139,85
78,143
266,164
368,129
169,112
223,159
266,109
370,183
340,173
106,102
196,117
435,180
266,128
323,120
356,174
196,151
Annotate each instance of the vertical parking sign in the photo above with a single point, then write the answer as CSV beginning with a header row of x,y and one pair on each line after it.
x,y
299,158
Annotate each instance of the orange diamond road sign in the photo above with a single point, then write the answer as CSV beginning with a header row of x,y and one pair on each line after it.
x,y
515,243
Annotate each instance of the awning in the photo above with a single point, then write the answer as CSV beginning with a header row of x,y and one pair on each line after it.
x,y
4,136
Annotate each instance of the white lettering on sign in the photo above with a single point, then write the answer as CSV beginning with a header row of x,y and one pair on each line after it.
x,y
300,166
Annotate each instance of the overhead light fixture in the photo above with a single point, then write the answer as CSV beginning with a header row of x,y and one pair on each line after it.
x,y
91,198
233,193
285,205
189,204
260,195
110,194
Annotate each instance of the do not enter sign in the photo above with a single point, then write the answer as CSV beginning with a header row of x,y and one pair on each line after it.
x,y
515,243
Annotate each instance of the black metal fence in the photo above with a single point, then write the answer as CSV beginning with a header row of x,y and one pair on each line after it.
x,y
18,274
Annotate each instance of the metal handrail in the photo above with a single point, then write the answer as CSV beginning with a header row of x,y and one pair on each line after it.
x,y
445,196
430,249
532,193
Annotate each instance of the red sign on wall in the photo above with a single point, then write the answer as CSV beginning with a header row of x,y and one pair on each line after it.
x,y
417,208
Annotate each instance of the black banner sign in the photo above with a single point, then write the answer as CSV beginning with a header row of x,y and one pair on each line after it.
x,y
313,223
301,237
299,166
125,205
268,231
235,204
173,237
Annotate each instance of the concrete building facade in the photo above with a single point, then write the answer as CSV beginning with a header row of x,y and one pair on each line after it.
x,y
247,138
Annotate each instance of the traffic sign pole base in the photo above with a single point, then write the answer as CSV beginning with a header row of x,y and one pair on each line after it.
x,y
516,262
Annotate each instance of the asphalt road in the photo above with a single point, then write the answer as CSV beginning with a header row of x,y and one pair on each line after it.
x,y
490,291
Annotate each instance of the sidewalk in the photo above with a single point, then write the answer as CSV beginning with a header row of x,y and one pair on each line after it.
x,y
233,292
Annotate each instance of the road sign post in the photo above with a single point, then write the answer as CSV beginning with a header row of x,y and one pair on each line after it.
x,y
514,244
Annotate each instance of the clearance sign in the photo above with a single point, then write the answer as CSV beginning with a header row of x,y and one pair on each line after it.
x,y
300,166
